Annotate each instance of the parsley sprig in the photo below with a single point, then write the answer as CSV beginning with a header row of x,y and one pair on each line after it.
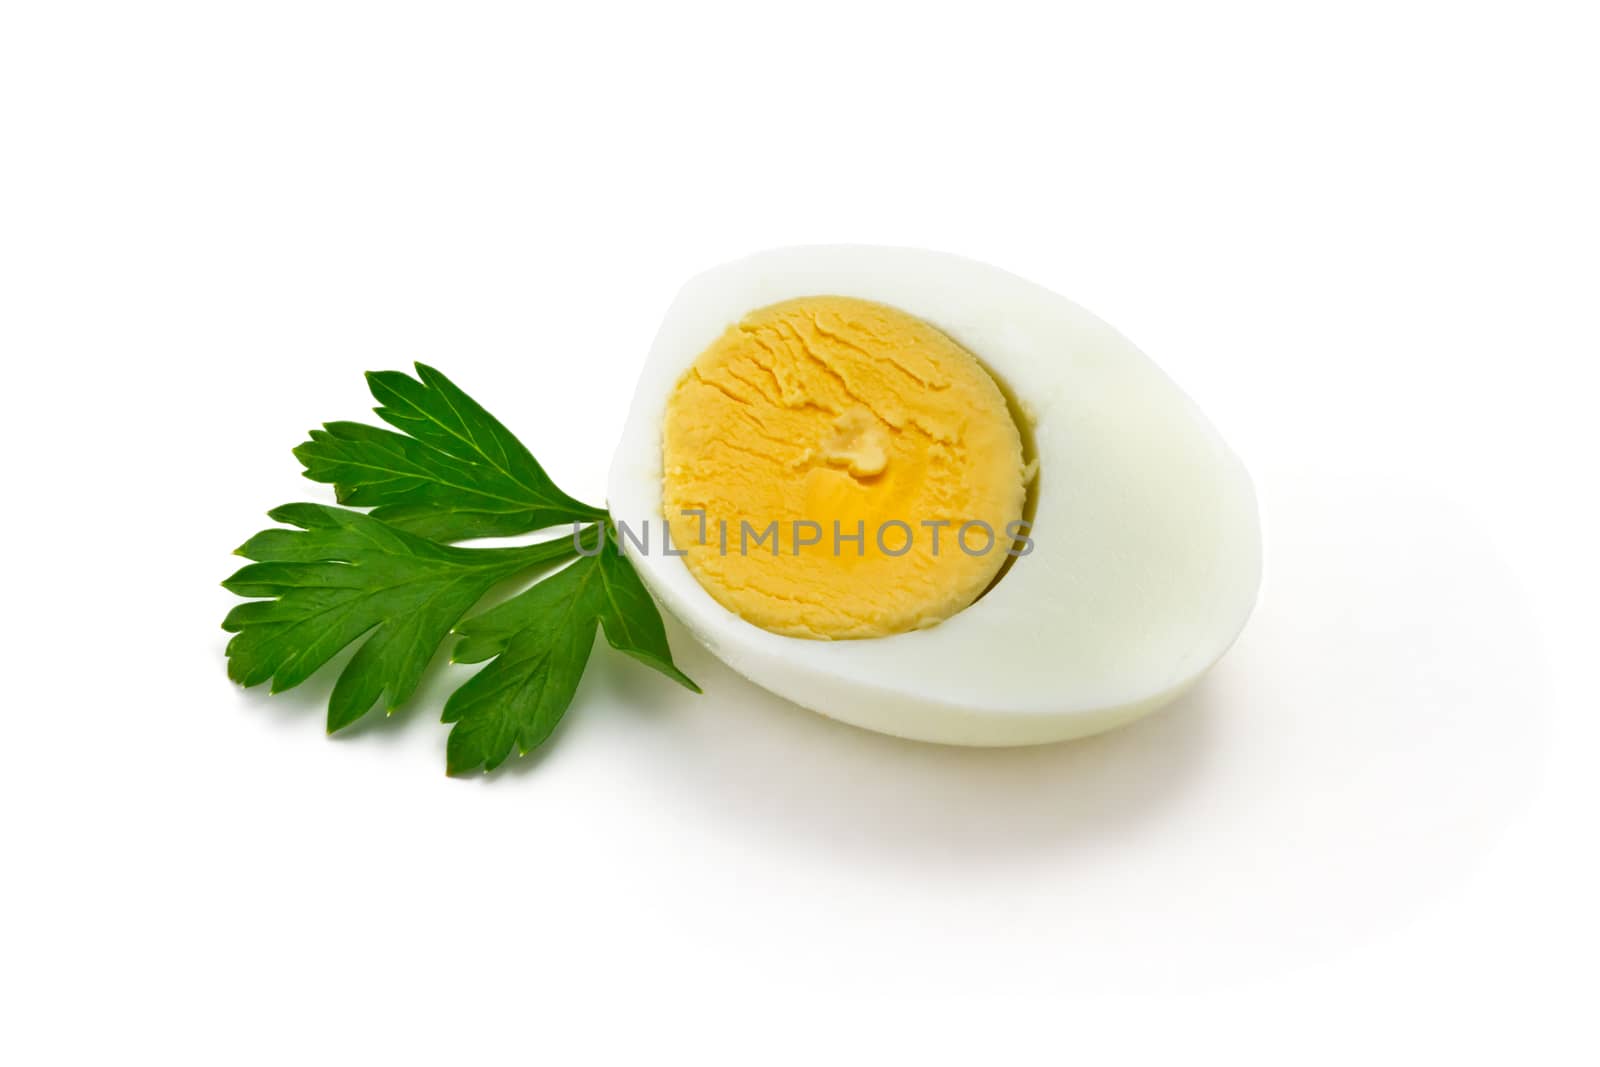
x,y
336,576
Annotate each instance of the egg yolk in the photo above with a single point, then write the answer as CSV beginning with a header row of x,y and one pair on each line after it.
x,y
837,468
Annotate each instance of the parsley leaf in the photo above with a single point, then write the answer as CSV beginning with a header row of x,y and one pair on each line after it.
x,y
342,575
384,578
453,473
540,642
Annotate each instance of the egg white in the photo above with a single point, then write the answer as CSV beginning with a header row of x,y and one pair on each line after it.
x,y
1147,542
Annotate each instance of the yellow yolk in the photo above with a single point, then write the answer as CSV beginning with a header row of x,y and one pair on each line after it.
x,y
832,417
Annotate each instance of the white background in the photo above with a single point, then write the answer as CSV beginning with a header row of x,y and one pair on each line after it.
x,y
1363,236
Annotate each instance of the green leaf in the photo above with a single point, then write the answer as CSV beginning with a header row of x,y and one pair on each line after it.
x,y
540,642
390,580
342,575
629,618
453,473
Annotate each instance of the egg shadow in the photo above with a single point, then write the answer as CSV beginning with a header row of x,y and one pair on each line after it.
x,y
758,764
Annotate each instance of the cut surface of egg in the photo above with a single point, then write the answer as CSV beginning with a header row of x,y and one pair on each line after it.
x,y
811,421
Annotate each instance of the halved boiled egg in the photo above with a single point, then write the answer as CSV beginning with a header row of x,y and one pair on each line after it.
x,y
929,498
